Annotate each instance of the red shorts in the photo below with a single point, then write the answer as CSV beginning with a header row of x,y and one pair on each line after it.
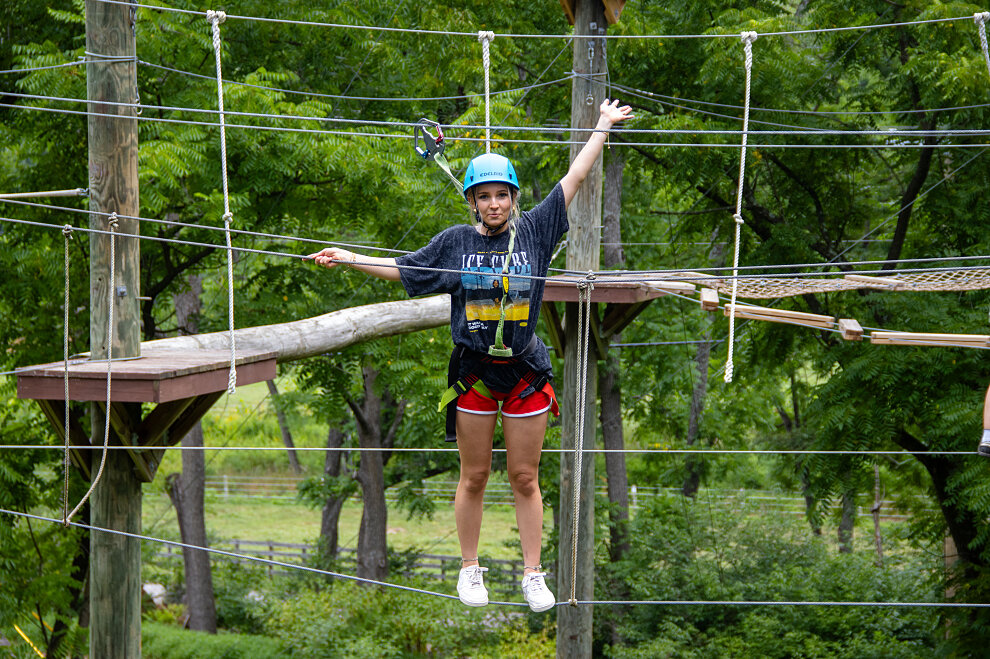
x,y
537,402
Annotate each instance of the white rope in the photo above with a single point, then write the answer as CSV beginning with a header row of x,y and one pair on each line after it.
x,y
747,38
112,222
67,232
981,19
486,38
286,21
580,399
216,18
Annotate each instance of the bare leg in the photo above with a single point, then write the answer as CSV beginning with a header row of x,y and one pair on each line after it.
x,y
524,442
986,411
474,443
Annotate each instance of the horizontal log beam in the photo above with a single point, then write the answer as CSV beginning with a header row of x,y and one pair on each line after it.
x,y
330,332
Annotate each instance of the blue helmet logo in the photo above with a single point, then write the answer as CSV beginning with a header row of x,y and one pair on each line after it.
x,y
490,168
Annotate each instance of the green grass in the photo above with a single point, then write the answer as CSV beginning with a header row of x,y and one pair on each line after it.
x,y
296,523
248,420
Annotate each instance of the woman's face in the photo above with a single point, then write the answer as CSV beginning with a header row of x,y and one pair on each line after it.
x,y
493,202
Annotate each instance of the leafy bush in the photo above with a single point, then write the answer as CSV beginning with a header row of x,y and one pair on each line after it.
x,y
686,551
349,620
159,641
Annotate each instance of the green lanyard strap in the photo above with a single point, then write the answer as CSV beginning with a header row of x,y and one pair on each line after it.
x,y
494,350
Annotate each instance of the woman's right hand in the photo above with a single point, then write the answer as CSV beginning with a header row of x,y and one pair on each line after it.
x,y
333,256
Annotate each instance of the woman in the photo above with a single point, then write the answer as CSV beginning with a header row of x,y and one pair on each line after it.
x,y
498,361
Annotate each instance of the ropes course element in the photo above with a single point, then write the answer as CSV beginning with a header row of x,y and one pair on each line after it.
x,y
113,223
286,21
431,449
215,18
775,287
747,39
486,39
981,25
67,233
543,142
312,570
580,401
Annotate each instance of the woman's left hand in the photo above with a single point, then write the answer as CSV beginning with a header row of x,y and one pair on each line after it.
x,y
612,113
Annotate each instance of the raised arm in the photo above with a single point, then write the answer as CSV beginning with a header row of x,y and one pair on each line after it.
x,y
383,268
611,113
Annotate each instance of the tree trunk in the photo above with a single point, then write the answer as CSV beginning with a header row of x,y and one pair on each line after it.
x,y
372,559
693,465
283,426
186,491
847,521
331,508
609,379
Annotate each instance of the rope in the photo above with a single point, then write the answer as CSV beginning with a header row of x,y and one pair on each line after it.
x,y
981,25
486,38
580,399
747,38
216,18
67,233
286,21
112,222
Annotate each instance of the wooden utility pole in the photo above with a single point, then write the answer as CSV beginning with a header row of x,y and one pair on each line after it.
x,y
115,560
583,246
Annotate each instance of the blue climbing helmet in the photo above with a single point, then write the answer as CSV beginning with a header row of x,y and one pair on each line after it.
x,y
490,168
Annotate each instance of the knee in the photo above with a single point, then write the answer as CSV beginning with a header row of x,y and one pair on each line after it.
x,y
474,481
525,483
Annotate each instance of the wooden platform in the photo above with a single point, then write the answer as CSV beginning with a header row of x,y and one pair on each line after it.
x,y
155,377
632,290
624,301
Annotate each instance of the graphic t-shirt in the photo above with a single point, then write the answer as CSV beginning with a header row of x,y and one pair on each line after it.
x,y
468,265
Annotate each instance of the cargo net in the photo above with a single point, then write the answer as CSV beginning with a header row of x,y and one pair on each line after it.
x,y
775,287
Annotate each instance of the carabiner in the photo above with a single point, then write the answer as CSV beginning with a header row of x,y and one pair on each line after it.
x,y
433,145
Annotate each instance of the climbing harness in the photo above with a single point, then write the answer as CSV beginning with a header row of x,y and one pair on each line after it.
x,y
458,386
494,350
747,38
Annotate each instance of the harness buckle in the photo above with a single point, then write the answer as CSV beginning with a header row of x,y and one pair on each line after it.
x,y
433,145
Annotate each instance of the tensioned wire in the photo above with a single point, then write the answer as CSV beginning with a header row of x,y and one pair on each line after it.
x,y
286,21
801,131
641,93
305,568
545,143
602,276
569,451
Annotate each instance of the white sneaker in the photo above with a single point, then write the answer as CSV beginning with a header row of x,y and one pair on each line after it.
x,y
984,448
535,590
471,586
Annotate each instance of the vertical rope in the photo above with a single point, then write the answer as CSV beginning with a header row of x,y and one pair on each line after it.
x,y
216,18
486,38
981,24
112,222
747,38
67,232
580,399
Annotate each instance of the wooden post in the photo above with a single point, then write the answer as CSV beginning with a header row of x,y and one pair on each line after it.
x,y
583,247
115,561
